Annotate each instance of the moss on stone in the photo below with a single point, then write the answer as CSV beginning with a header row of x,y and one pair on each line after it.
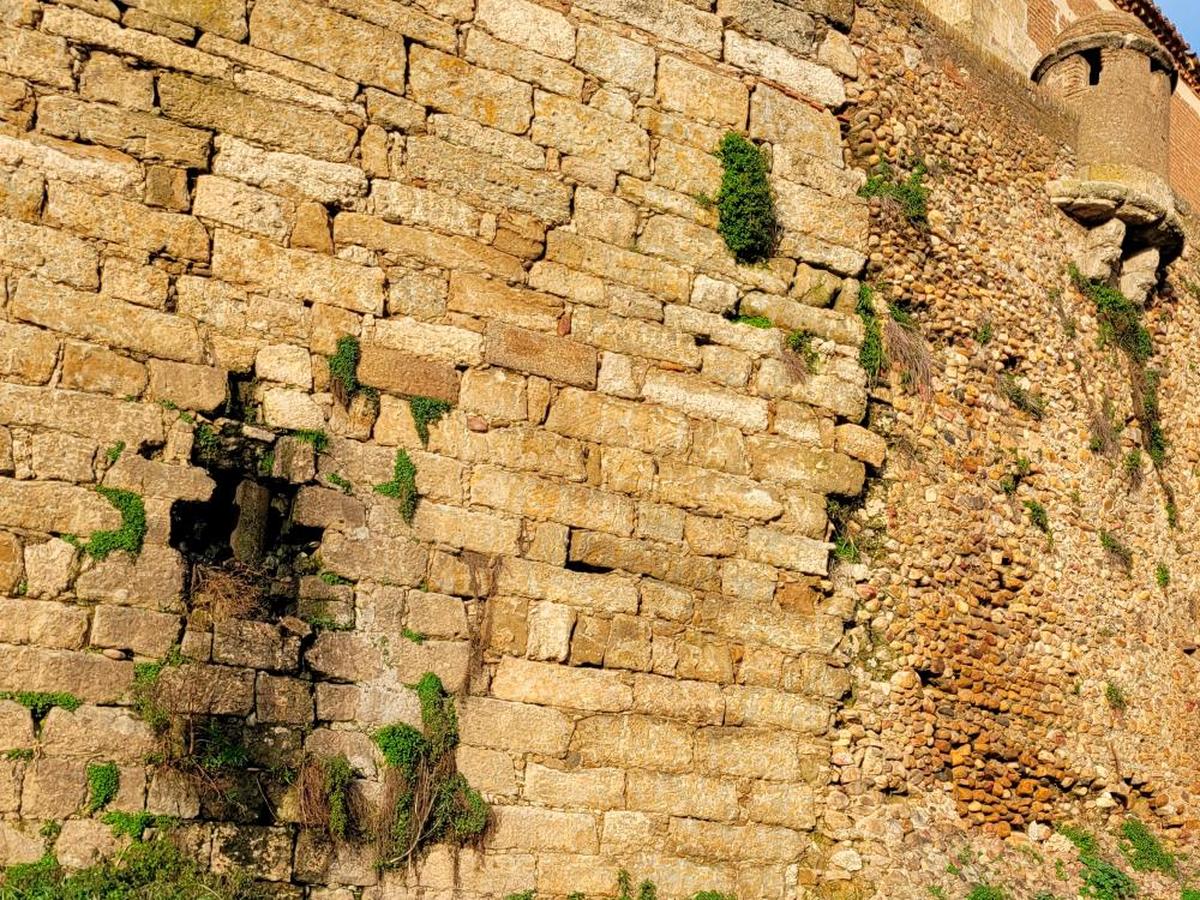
x,y
104,779
129,536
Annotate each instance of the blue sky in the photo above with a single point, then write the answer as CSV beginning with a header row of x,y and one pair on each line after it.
x,y
1186,16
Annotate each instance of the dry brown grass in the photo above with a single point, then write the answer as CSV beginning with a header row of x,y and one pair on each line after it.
x,y
909,353
311,793
398,845
231,591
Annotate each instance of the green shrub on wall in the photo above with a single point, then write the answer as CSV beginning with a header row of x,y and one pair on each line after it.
x,y
745,206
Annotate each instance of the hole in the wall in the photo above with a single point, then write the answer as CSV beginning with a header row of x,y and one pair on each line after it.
x,y
1095,65
239,403
575,565
244,552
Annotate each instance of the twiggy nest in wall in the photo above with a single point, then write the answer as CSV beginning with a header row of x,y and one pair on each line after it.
x,y
226,592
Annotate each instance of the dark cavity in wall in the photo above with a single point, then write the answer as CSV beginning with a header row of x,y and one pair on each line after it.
x,y
244,553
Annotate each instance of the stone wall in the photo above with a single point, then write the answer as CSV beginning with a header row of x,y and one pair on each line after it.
x,y
987,646
619,558
620,562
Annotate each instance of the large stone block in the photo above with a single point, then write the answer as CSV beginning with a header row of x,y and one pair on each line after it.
x,y
52,625
223,17
202,388
107,320
317,35
541,499
157,49
126,223
402,372
660,561
763,707
525,828
278,125
240,206
289,174
384,559
710,840
634,742
144,632
298,273
97,732
700,93
607,593
56,507
612,58
517,727
101,418
696,796
448,251
154,580
747,753
770,61
697,397
491,177
30,54
27,354
716,493
580,130
600,419
49,253
822,471
577,251
453,85
669,20
449,343
547,684
634,337
141,134
488,298
265,851
528,24
540,354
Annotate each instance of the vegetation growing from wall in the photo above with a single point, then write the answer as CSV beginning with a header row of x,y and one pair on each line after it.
x,y
871,355
403,486
1143,850
154,869
426,800
911,193
1102,880
343,368
129,536
745,205
104,779
426,411
907,350
323,786
1121,326
800,343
